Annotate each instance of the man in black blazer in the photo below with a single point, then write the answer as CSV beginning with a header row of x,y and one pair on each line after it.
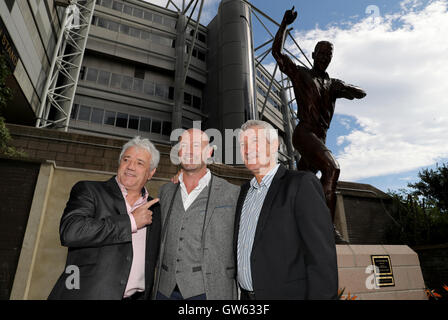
x,y
284,242
111,233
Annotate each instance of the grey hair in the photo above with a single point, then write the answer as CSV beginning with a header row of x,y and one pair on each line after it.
x,y
271,133
146,145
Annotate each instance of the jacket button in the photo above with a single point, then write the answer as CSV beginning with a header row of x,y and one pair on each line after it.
x,y
122,282
128,258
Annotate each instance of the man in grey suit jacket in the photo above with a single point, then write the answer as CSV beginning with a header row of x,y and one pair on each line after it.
x,y
196,256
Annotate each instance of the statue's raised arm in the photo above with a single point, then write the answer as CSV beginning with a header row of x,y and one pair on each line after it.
x,y
284,62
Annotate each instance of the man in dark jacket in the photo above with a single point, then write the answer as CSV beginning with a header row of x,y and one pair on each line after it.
x,y
283,239
112,231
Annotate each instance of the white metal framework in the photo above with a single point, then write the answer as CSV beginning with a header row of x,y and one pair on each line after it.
x,y
60,87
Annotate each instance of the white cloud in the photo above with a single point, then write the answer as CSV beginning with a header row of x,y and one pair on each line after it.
x,y
401,61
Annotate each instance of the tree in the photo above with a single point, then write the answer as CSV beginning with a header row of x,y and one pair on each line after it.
x,y
422,210
433,186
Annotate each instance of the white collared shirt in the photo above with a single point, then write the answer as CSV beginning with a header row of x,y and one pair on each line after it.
x,y
188,199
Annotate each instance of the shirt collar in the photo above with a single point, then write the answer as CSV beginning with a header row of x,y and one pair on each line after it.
x,y
267,179
203,182
124,191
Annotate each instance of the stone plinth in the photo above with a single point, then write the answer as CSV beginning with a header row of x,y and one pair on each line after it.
x,y
356,276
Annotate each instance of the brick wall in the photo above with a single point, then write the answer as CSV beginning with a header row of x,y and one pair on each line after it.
x,y
76,150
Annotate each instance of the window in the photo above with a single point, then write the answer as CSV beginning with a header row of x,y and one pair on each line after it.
x,y
107,3
149,88
102,22
109,118
170,23
139,73
157,18
84,113
127,9
138,85
201,37
171,93
103,78
113,26
97,115
124,29
134,32
166,128
138,13
196,102
74,112
145,35
126,83
133,122
115,81
201,55
161,90
156,126
117,6
145,124
147,15
122,120
187,99
92,74
82,73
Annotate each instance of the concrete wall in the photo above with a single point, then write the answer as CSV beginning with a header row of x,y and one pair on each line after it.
x,y
354,259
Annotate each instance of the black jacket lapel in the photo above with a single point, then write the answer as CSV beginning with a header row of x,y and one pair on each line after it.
x,y
119,201
266,209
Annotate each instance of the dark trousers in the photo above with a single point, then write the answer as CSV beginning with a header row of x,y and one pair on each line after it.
x,y
176,295
247,295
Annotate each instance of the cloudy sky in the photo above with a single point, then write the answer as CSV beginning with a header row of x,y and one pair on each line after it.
x,y
398,52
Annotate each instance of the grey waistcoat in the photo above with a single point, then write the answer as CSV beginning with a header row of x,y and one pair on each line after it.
x,y
182,260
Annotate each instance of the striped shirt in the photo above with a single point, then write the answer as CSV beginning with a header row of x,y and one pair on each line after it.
x,y
248,224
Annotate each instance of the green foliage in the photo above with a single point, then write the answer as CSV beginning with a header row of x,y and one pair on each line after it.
x,y
422,211
433,186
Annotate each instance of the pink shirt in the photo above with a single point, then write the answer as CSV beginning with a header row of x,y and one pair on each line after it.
x,y
136,280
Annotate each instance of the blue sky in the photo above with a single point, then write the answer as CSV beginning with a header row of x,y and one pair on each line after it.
x,y
399,58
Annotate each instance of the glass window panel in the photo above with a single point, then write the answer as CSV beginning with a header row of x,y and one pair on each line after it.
x,y
113,26
171,93
84,113
146,35
124,29
149,88
169,22
155,38
134,32
187,99
92,74
201,55
147,15
122,120
166,128
156,126
127,9
102,22
157,18
201,37
109,118
133,122
126,83
138,13
138,85
97,115
145,124
196,102
115,81
107,3
117,6
74,112
103,78
161,90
